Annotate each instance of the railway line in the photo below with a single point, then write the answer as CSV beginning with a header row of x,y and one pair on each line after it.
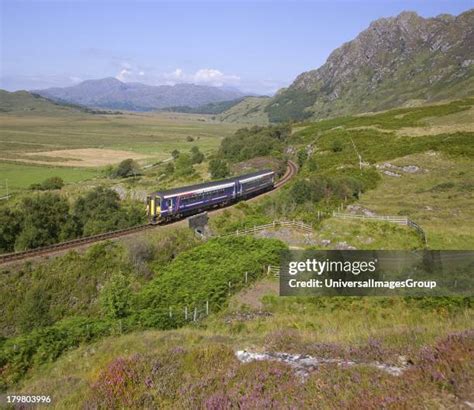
x,y
291,170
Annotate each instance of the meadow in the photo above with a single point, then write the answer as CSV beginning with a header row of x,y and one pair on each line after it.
x,y
154,135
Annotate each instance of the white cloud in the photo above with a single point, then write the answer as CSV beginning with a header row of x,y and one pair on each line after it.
x,y
208,76
214,77
123,74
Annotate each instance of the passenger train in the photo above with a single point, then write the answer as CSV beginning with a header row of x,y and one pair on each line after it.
x,y
164,206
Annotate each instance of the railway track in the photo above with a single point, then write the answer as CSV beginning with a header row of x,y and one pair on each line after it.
x,y
74,243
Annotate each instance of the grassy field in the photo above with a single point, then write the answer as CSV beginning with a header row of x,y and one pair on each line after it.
x,y
440,198
21,176
155,135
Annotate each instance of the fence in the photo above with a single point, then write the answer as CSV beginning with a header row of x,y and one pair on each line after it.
x,y
193,312
400,220
275,224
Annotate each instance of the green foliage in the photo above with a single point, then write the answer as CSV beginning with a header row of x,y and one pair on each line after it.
x,y
183,166
10,227
175,154
218,168
291,105
248,143
49,184
195,276
43,217
44,345
127,168
69,285
196,156
115,297
100,210
203,273
337,146
302,157
46,218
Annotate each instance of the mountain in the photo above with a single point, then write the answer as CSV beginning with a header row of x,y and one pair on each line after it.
x,y
23,102
114,94
250,110
402,60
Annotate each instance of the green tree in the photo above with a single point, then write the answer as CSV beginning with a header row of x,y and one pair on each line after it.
x,y
52,183
127,168
115,297
175,154
301,191
196,156
10,227
302,157
184,166
218,168
43,216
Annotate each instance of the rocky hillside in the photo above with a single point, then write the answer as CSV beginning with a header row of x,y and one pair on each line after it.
x,y
114,94
403,60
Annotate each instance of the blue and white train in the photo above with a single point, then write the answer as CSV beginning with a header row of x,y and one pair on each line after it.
x,y
179,202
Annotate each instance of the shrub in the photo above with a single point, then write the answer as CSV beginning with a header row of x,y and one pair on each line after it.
x,y
196,156
115,297
49,184
218,168
337,146
184,166
126,168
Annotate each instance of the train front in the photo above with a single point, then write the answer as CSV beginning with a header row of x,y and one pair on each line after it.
x,y
153,207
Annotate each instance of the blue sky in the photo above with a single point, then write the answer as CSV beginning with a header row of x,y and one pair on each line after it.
x,y
257,46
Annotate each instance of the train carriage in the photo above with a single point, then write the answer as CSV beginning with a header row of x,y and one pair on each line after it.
x,y
179,202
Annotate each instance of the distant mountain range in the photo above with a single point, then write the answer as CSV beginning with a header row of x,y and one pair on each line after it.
x,y
113,94
402,60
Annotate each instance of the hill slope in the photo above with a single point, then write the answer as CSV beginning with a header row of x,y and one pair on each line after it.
x,y
250,110
23,102
114,94
396,61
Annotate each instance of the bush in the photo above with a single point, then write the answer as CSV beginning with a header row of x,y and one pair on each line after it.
x,y
126,168
10,227
248,143
196,156
184,166
218,168
337,146
43,217
18,354
115,297
175,154
49,184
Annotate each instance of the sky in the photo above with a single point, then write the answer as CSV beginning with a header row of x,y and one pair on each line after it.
x,y
256,46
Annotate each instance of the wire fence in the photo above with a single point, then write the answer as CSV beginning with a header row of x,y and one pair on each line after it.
x,y
196,311
275,224
400,220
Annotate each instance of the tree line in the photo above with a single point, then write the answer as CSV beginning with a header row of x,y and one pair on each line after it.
x,y
46,218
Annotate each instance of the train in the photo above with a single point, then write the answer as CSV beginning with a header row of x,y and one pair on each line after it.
x,y
173,204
